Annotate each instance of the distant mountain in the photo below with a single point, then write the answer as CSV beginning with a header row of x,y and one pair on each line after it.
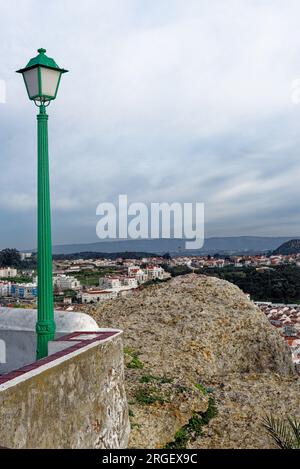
x,y
103,255
222,245
290,247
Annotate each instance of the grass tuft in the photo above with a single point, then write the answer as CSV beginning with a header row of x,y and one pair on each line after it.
x,y
148,396
193,429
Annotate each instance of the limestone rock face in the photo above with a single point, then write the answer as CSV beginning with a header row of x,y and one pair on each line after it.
x,y
197,329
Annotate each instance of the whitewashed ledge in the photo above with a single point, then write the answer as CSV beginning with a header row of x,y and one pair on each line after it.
x,y
22,319
18,336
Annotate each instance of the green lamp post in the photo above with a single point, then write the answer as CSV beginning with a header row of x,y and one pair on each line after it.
x,y
42,77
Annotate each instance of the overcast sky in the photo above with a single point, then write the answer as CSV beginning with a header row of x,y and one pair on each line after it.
x,y
166,100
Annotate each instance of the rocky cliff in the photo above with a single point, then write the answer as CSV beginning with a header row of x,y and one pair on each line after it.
x,y
193,344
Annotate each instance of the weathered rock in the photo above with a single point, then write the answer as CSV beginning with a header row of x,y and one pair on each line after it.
x,y
243,401
201,329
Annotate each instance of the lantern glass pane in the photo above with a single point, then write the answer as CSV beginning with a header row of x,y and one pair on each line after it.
x,y
32,82
49,80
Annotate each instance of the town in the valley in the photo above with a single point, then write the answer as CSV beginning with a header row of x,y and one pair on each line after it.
x,y
93,280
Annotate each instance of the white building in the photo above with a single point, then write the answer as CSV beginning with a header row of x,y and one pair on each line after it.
x,y
73,268
25,255
110,283
65,282
8,272
118,284
130,282
24,290
5,289
96,296
154,272
137,273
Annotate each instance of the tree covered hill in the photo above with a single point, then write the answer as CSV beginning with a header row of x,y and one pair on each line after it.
x,y
280,284
290,247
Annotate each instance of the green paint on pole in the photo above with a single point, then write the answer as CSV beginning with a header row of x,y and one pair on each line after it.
x,y
45,327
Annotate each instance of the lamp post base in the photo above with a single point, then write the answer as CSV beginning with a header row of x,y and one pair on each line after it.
x,y
45,331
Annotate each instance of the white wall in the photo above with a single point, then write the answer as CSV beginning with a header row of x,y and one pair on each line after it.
x,y
17,333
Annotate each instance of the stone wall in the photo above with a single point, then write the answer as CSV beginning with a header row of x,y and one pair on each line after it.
x,y
74,399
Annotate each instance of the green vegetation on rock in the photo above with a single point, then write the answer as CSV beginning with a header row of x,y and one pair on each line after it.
x,y
151,378
181,439
147,396
201,388
135,361
193,429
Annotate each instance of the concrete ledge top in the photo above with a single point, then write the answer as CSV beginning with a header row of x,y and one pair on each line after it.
x,y
78,343
19,319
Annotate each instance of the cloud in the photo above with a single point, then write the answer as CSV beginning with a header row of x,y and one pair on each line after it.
x,y
165,101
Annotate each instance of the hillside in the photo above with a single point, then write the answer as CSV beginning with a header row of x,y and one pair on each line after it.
x,y
191,335
230,244
290,247
278,284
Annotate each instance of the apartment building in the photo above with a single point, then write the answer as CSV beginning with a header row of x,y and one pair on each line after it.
x,y
5,289
110,283
137,273
154,272
8,272
24,290
65,282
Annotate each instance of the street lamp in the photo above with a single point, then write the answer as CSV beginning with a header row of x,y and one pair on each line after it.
x,y
42,77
